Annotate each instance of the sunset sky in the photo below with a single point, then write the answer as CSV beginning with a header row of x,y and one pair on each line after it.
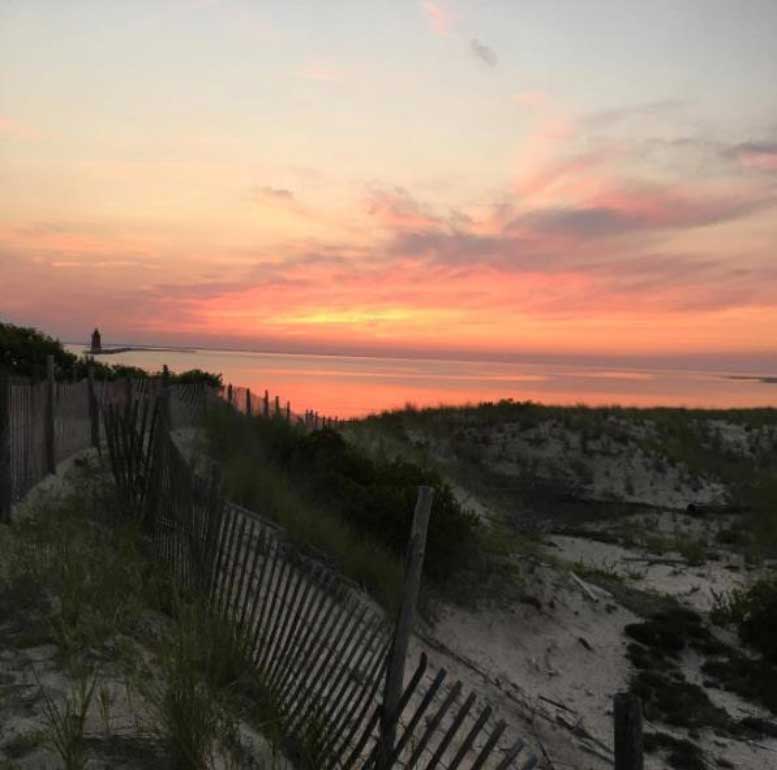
x,y
502,177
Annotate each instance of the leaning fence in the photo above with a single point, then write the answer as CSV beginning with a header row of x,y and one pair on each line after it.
x,y
319,645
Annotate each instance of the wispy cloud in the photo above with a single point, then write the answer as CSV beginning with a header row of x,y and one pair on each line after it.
x,y
757,155
483,52
395,208
607,118
278,199
274,193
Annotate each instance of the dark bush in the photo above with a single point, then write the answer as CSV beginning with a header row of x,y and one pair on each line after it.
x,y
683,754
755,613
658,635
754,680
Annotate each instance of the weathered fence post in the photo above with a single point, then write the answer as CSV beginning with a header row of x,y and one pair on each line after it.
x,y
94,418
277,406
229,394
165,399
51,458
5,448
395,674
288,411
249,408
266,405
628,732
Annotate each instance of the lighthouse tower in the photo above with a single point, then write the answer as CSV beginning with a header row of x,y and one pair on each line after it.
x,y
97,344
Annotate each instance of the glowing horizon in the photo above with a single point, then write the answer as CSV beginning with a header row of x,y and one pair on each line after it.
x,y
415,176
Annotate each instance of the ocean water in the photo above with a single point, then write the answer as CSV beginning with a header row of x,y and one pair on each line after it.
x,y
351,386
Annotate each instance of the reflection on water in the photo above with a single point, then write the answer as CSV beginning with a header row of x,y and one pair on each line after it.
x,y
348,386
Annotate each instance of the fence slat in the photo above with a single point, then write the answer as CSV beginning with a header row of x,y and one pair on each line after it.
x,y
434,723
6,437
322,595
470,739
257,643
416,718
452,730
493,739
233,567
400,707
274,617
362,704
285,656
349,686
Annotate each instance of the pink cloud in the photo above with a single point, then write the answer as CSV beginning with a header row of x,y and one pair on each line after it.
x,y
439,17
322,71
533,99
758,155
16,129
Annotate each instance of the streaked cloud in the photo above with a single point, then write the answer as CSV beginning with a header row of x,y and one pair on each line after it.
x,y
608,118
277,193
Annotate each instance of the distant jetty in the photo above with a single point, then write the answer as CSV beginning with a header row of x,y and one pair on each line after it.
x,y
754,378
96,348
113,351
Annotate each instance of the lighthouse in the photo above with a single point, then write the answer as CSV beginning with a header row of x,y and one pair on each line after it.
x,y
97,345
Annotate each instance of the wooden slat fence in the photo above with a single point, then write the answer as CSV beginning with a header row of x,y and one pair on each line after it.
x,y
320,646
44,423
264,404
24,439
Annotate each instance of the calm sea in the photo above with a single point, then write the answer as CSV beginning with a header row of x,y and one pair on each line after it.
x,y
349,386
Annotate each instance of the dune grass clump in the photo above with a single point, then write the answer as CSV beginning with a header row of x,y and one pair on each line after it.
x,y
66,723
185,709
